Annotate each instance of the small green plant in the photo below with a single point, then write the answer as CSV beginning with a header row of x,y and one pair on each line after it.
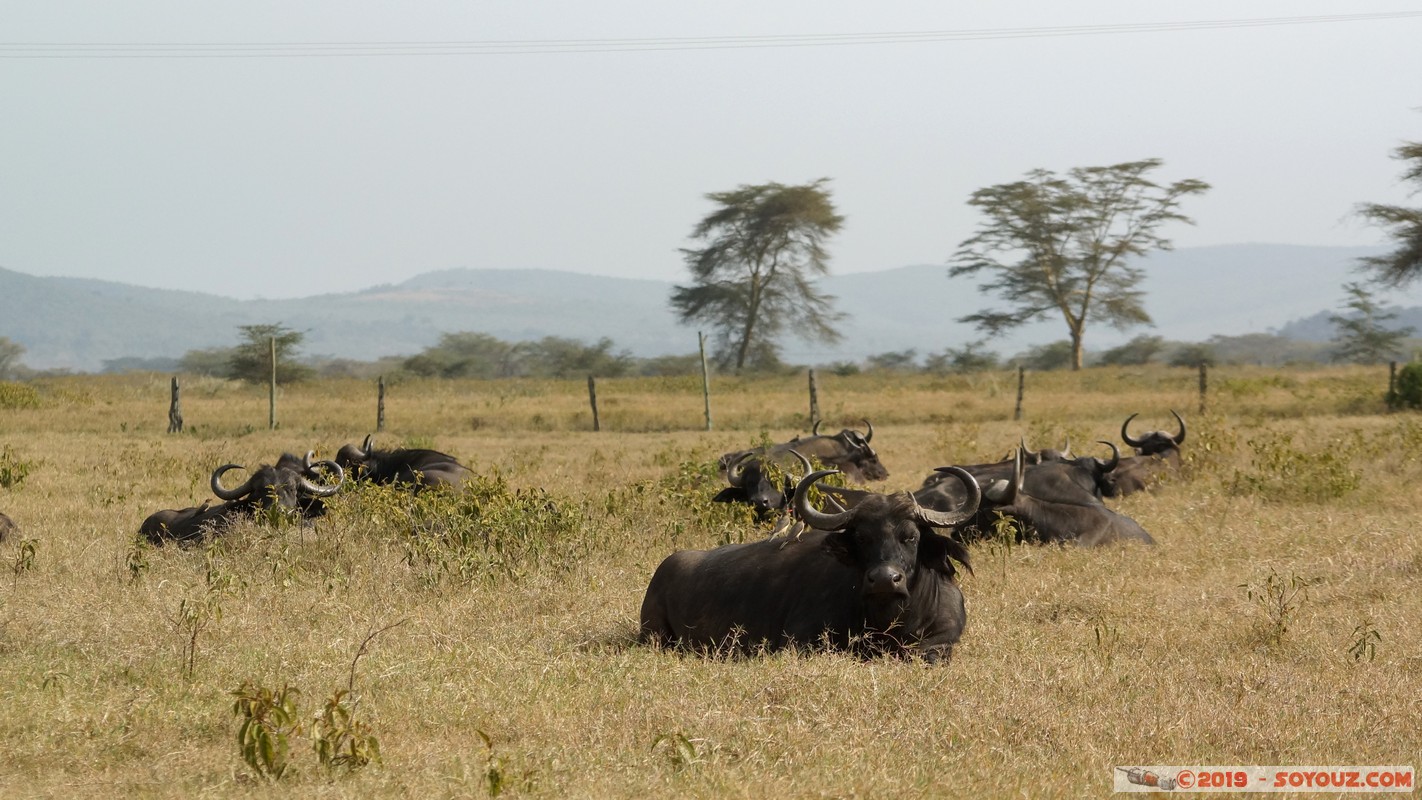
x,y
13,469
1280,599
1108,640
136,558
497,775
1365,642
340,739
269,720
679,751
24,559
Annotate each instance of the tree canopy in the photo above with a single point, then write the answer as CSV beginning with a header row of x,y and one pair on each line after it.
x,y
251,360
1404,264
10,352
1054,244
752,282
1362,336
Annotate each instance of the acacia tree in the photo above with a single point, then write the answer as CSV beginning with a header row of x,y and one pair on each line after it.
x,y
1060,245
10,352
1403,265
754,278
252,360
1361,337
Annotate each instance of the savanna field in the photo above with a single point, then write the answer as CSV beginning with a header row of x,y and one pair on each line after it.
x,y
486,643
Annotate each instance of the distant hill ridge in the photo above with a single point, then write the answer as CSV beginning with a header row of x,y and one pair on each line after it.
x,y
1192,293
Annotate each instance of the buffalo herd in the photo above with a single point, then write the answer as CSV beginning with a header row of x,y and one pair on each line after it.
x,y
845,568
872,574
300,486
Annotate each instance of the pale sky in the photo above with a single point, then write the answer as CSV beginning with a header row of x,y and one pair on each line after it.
x,y
298,169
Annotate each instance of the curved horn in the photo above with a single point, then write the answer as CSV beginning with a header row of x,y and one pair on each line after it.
x,y
230,494
366,445
1126,437
815,429
317,490
813,516
306,462
869,437
736,472
1006,493
1107,466
947,519
1030,454
804,462
1066,448
1180,437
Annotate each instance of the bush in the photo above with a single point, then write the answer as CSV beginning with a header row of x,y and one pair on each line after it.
x,y
1407,393
18,395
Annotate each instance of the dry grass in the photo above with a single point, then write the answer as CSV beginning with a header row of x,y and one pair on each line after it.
x,y
1073,661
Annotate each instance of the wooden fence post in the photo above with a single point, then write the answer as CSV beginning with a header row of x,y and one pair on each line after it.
x,y
380,404
175,410
814,401
705,378
592,399
1204,385
1021,385
271,390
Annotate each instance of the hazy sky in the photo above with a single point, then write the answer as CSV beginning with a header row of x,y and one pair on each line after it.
x,y
295,169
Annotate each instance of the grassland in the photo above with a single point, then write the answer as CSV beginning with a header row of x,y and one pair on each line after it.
x,y
490,640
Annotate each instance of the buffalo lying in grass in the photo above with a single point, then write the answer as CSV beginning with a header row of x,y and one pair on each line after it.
x,y
872,578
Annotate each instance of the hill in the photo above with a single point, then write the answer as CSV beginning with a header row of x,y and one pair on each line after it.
x,y
1192,293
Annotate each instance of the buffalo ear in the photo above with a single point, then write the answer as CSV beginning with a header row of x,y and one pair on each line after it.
x,y
840,545
938,552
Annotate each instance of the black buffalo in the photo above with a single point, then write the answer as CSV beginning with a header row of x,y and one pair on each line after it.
x,y
1049,503
764,485
415,467
1157,454
289,484
873,578
848,451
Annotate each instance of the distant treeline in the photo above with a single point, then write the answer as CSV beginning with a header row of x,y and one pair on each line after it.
x,y
480,355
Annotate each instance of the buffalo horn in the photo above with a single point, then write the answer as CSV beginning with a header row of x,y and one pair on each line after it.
x,y
1107,466
1004,493
804,462
230,494
947,519
1180,437
813,516
317,490
1066,448
815,429
365,447
869,437
1126,436
1031,455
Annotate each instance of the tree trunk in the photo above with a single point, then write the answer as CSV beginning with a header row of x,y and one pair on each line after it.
x,y
752,309
1076,350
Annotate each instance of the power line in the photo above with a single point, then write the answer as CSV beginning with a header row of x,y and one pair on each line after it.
x,y
115,50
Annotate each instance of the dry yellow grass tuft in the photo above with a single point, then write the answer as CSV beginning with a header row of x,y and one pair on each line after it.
x,y
1273,624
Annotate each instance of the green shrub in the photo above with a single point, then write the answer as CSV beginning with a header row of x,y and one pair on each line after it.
x,y
1407,393
18,395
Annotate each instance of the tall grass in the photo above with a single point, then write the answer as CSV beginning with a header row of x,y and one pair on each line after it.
x,y
506,660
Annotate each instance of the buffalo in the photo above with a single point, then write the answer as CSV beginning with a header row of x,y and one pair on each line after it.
x,y
414,467
289,485
1157,454
874,578
848,451
1051,503
765,485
